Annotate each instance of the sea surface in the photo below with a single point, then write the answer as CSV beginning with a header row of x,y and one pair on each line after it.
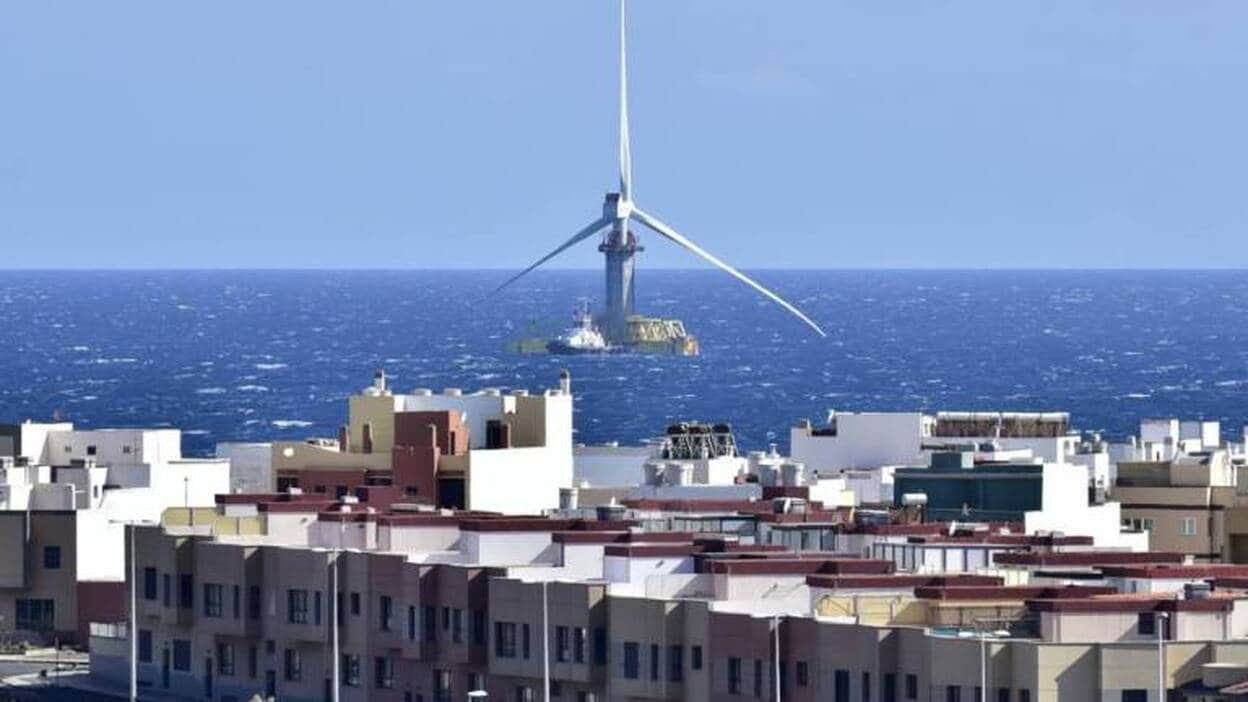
x,y
257,355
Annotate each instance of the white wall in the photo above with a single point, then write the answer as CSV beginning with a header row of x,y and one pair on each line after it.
x,y
518,480
477,409
865,440
508,547
608,466
417,539
251,465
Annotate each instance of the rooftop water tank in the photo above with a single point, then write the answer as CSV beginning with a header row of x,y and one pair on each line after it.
x,y
652,472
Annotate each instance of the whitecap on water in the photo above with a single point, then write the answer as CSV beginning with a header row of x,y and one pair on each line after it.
x,y
270,366
290,423
210,391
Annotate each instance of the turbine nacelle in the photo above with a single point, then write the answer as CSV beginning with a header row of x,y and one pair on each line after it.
x,y
617,207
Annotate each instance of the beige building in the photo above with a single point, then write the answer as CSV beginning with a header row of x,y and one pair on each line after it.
x,y
1181,503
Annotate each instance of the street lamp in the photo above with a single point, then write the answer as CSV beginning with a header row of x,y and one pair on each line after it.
x,y
545,643
1162,619
134,605
775,626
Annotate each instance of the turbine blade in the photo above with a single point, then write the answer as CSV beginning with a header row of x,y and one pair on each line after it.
x,y
626,152
671,234
590,229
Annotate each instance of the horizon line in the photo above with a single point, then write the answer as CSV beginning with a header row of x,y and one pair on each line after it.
x,y
496,269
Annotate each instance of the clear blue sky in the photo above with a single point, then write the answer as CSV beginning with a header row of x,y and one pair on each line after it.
x,y
809,133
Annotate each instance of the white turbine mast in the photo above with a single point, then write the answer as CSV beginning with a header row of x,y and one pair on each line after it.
x,y
619,208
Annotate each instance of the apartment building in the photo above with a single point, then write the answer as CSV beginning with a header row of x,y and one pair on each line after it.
x,y
489,451
1181,502
65,497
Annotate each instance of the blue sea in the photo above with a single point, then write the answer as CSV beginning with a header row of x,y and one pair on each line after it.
x,y
253,355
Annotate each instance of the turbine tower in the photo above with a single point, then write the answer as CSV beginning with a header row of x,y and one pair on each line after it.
x,y
620,245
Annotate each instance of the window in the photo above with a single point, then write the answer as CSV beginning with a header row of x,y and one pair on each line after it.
x,y
186,592
411,623
578,644
235,601
166,589
840,686
446,619
386,613
1003,694
383,672
182,655
734,676
675,663
866,686
1024,695
654,661
801,673
524,693
225,659
90,449
600,646
253,602
758,677
355,604
978,695
351,670
632,660
457,625
293,665
145,645
213,594
953,693
890,687
1188,527
912,687
149,584
253,662
429,624
316,607
478,629
297,606
442,685
35,615
504,640
695,658
1135,696
563,644
524,641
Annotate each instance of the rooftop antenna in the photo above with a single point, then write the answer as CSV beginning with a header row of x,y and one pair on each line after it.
x,y
620,245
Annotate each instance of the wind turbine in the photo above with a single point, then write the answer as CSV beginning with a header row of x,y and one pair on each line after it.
x,y
621,245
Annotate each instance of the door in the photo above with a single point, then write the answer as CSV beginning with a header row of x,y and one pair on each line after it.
x,y
164,667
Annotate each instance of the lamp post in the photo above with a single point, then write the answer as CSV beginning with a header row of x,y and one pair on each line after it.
x,y
133,624
775,625
335,665
545,644
1162,619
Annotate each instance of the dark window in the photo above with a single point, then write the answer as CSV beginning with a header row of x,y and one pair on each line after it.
x,y
840,686
293,668
316,607
213,594
253,602
758,677
1135,696
149,584
504,640
355,604
734,676
978,694
478,628
563,644
632,660
383,672
953,693
695,658
225,659
186,592
600,646
35,615
145,645
90,449
801,672
578,644
890,687
912,687
429,624
253,662
457,625
166,589
411,623
182,655
446,619
524,641
675,663
1003,694
235,601
866,686
386,615
1024,695
654,661
351,670
297,606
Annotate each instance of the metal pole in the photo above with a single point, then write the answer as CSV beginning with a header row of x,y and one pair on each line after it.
x,y
134,622
545,645
775,620
1162,618
983,667
335,664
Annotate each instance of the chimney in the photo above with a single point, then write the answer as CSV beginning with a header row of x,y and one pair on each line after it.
x,y
565,382
379,381
367,440
344,439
